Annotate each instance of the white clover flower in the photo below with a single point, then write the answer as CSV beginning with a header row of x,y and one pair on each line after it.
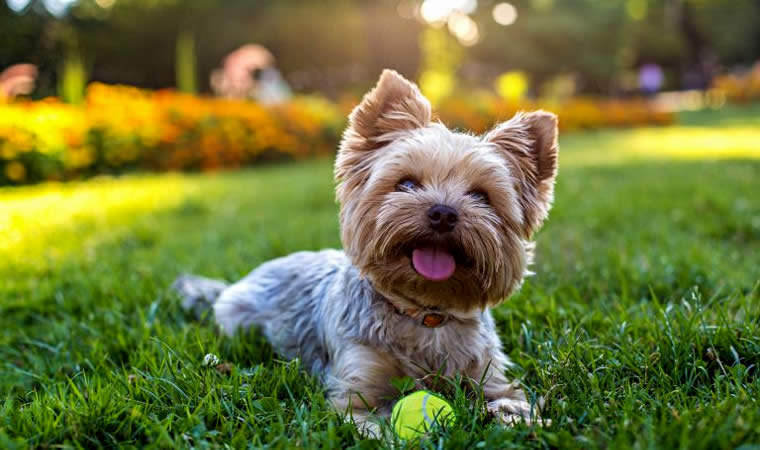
x,y
210,360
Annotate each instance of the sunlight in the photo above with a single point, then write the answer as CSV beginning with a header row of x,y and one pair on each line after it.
x,y
660,144
44,222
433,11
696,143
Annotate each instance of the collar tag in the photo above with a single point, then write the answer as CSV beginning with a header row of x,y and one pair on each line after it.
x,y
433,320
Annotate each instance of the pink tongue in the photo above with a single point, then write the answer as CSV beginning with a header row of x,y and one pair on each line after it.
x,y
433,263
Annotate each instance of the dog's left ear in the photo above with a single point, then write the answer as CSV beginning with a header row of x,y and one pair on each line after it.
x,y
529,143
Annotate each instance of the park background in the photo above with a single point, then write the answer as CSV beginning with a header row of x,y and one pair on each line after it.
x,y
140,139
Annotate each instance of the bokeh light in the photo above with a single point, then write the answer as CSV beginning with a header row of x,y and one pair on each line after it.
x,y
438,11
464,28
17,5
105,4
512,85
504,14
434,11
58,8
636,9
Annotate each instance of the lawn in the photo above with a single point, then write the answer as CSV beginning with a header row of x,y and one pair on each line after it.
x,y
641,327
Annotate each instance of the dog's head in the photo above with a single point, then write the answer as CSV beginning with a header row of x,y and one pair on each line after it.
x,y
441,217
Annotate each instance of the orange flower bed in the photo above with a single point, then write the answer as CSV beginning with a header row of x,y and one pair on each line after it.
x,y
121,128
739,88
478,114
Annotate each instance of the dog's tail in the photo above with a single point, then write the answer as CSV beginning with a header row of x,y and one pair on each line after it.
x,y
198,293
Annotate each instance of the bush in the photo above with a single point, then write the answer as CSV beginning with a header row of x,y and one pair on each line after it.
x,y
120,128
480,112
739,87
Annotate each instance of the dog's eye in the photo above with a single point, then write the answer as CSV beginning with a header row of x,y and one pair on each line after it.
x,y
407,185
479,196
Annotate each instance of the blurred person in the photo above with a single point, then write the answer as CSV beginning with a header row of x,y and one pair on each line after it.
x,y
18,79
651,78
249,72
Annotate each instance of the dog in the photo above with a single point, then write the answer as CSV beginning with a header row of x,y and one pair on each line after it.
x,y
436,227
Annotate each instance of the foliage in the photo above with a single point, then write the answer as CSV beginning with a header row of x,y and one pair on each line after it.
x,y
480,112
740,88
122,128
73,79
640,327
441,56
133,42
185,65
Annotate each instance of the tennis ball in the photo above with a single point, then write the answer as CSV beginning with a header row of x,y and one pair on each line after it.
x,y
415,414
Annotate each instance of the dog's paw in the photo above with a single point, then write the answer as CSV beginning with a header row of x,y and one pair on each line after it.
x,y
198,294
513,411
369,430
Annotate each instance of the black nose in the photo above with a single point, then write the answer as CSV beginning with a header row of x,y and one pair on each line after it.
x,y
442,218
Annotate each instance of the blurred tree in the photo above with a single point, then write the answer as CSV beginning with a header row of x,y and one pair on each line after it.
x,y
442,56
185,66
72,80
331,44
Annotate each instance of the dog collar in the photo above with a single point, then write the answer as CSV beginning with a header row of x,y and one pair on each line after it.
x,y
428,318
433,320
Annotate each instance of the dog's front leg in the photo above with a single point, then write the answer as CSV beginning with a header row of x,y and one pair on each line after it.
x,y
505,399
359,384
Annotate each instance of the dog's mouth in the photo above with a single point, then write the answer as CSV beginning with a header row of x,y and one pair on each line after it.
x,y
436,261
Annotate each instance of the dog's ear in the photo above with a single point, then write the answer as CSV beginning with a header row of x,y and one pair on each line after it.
x,y
528,141
394,105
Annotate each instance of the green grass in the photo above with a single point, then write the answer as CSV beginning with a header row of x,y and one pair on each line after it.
x,y
641,328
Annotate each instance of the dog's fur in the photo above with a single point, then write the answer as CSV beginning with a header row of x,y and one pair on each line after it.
x,y
354,317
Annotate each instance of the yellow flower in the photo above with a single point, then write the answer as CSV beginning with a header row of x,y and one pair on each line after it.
x,y
15,171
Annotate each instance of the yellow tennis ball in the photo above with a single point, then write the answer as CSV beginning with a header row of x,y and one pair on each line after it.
x,y
415,414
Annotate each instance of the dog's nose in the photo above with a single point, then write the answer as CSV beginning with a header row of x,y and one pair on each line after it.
x,y
442,218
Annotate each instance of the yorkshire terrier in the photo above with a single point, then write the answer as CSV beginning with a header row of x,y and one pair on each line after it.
x,y
436,227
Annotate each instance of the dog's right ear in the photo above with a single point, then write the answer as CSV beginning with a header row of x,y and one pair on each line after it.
x,y
394,104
